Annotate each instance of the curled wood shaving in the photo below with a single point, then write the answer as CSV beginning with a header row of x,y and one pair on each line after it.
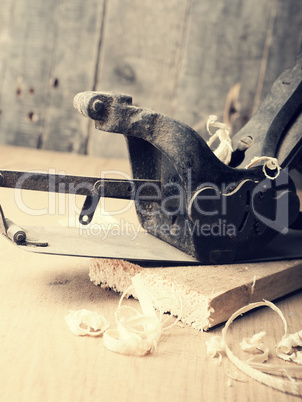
x,y
85,322
252,369
137,336
137,333
285,348
275,368
224,149
261,357
288,342
270,163
256,346
253,344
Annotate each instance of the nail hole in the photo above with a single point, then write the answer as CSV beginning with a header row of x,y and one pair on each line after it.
x,y
55,83
18,91
33,117
31,91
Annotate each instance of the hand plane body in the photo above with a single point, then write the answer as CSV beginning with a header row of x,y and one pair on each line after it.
x,y
184,195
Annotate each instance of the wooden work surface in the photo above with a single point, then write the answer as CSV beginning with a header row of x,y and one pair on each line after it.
x,y
42,361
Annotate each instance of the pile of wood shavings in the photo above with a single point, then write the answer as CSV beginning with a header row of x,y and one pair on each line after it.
x,y
137,333
255,367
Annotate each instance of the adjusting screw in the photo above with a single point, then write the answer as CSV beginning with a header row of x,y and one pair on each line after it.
x,y
98,106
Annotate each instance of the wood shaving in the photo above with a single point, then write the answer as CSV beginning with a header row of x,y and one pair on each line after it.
x,y
215,346
256,370
288,342
137,333
253,285
224,149
276,368
253,344
285,348
135,336
270,163
256,346
85,322
261,357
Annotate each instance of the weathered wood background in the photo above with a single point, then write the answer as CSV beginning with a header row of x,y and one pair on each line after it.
x,y
179,57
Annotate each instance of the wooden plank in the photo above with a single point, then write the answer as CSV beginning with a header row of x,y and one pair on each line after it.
x,y
209,294
42,361
50,53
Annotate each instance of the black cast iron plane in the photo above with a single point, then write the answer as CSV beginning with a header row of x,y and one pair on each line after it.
x,y
192,206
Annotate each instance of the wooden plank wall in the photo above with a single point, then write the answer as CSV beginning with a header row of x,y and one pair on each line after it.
x,y
179,57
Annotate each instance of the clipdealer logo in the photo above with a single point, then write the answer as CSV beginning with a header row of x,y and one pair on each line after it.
x,y
220,228
57,205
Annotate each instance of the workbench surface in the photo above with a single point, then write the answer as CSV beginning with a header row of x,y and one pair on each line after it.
x,y
41,360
